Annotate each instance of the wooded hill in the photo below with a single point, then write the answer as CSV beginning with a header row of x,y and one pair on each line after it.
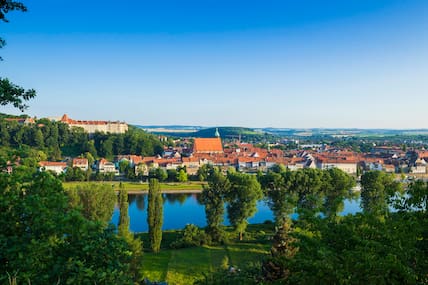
x,y
56,140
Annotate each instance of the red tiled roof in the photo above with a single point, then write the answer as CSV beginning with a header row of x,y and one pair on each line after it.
x,y
52,163
80,161
207,145
67,120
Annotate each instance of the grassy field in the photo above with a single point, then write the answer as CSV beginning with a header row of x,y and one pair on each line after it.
x,y
184,266
137,186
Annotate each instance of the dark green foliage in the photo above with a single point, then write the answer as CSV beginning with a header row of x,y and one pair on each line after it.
x,y
213,198
7,6
9,92
417,197
282,198
158,173
134,243
76,174
337,186
377,190
57,139
172,175
15,95
359,250
44,241
204,172
155,214
192,236
95,201
356,249
242,199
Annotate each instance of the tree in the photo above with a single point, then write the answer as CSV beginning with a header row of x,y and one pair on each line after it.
x,y
124,165
158,173
307,183
213,198
337,187
377,188
172,175
124,232
204,172
274,268
242,199
182,176
14,95
282,199
155,214
9,92
38,138
96,201
44,241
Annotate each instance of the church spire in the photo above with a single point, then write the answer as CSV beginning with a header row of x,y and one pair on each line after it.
x,y
217,134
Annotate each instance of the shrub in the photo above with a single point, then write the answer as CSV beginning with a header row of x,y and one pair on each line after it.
x,y
192,236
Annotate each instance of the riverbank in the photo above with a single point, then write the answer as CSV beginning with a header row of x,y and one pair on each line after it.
x,y
143,187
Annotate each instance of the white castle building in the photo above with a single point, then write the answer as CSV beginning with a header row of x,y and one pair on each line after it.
x,y
97,126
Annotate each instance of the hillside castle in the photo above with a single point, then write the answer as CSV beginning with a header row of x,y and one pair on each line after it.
x,y
97,126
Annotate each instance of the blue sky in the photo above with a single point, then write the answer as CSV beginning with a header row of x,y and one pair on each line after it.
x,y
347,63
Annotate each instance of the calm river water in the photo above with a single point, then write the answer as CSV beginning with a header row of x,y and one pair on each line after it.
x,y
183,209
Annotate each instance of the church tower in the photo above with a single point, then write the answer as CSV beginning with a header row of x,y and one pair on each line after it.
x,y
217,134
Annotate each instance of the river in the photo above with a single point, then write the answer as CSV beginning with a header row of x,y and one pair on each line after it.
x,y
182,209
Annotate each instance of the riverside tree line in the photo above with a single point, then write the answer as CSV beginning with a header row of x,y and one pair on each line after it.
x,y
377,246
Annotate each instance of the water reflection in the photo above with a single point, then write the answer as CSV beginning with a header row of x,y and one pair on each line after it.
x,y
181,209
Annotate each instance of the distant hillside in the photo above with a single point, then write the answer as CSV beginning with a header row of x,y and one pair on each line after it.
x,y
246,134
227,132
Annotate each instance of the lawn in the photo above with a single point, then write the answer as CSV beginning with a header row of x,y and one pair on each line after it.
x,y
184,266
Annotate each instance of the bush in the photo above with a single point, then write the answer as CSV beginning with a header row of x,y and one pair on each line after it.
x,y
192,236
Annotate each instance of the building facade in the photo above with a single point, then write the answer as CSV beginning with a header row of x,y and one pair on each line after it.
x,y
97,126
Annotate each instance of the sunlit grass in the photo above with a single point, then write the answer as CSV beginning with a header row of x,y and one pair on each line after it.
x,y
184,266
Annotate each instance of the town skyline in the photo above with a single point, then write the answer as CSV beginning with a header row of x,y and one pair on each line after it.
x,y
359,64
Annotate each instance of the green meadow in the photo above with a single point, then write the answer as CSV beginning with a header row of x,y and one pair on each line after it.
x,y
184,266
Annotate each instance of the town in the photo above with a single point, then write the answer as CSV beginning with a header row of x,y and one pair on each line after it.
x,y
190,154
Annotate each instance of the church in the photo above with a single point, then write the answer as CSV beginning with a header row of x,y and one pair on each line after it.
x,y
208,145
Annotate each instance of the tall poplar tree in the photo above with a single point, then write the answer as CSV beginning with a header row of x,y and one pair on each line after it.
x,y
213,199
155,214
134,243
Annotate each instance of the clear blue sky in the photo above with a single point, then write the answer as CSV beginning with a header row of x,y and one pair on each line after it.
x,y
330,63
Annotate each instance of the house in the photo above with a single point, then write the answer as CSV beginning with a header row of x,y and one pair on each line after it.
x,y
132,159
191,164
21,121
81,163
141,169
105,166
347,165
57,167
419,167
390,168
